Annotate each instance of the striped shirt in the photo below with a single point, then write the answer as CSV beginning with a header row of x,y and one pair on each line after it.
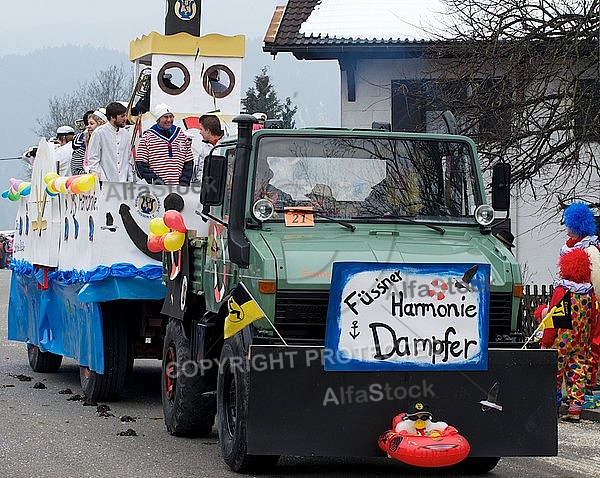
x,y
78,153
165,152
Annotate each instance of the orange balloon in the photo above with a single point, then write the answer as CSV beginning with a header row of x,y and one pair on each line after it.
x,y
73,188
51,187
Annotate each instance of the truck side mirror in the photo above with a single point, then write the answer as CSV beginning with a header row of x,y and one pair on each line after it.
x,y
501,187
213,180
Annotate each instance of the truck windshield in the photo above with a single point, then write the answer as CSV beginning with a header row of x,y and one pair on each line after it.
x,y
368,178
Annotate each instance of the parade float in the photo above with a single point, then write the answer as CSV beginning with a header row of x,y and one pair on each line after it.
x,y
325,277
86,282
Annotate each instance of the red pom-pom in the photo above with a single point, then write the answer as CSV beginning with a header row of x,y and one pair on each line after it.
x,y
575,266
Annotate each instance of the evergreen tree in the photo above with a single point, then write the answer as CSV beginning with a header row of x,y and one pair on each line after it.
x,y
262,98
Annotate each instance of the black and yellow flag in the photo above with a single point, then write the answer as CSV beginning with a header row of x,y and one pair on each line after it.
x,y
559,316
243,310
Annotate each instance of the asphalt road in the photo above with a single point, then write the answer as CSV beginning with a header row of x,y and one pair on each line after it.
x,y
44,434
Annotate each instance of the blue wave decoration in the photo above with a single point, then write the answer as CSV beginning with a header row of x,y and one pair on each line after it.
x,y
74,276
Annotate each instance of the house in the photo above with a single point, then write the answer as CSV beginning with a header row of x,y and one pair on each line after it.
x,y
381,47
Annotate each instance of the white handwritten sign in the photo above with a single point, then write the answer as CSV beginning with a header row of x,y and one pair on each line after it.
x,y
407,317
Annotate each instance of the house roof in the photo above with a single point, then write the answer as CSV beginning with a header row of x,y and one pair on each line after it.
x,y
313,29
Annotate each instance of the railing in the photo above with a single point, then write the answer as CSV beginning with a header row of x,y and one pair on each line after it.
x,y
533,295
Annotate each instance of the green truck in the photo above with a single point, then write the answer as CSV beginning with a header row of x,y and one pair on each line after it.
x,y
346,275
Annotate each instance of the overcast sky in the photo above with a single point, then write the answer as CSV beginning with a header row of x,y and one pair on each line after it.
x,y
35,24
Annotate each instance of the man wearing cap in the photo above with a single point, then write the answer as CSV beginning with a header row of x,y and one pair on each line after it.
x,y
63,153
164,154
109,150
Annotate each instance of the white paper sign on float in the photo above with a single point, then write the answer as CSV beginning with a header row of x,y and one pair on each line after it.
x,y
407,317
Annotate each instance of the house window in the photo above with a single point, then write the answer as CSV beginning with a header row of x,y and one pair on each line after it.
x,y
417,105
492,108
586,110
408,106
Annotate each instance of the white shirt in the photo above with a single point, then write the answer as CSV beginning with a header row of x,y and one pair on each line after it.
x,y
63,156
109,154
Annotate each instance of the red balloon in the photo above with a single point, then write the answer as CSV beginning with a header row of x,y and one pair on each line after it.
x,y
154,243
174,220
161,241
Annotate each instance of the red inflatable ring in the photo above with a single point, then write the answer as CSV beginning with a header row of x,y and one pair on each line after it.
x,y
445,449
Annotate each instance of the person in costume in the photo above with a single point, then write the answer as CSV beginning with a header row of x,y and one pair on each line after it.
x,y
567,322
164,154
581,231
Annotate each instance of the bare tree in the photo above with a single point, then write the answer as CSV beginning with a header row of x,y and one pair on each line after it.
x,y
113,84
521,76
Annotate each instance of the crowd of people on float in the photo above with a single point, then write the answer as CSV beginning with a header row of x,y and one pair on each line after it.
x,y
164,154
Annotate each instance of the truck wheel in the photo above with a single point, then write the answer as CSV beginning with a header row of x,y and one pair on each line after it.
x,y
233,387
477,465
188,392
45,362
107,386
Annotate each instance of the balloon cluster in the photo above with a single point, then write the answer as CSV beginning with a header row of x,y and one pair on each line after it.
x,y
68,184
17,189
167,233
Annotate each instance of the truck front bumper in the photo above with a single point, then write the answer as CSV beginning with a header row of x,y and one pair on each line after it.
x,y
296,408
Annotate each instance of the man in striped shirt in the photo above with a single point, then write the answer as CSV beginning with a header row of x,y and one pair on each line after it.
x,y
164,154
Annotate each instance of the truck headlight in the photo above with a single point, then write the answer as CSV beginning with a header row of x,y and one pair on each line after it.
x,y
484,214
263,209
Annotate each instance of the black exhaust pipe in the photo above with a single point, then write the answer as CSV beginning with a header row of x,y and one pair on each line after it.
x,y
239,248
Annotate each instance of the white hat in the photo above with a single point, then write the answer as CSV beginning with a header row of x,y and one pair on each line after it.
x,y
161,110
100,115
260,116
65,130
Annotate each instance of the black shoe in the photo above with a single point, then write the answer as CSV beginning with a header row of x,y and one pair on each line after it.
x,y
569,417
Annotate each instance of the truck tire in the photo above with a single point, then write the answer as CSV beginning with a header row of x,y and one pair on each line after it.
x,y
477,465
188,392
107,386
233,386
44,362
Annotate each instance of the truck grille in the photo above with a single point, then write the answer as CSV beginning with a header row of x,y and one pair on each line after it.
x,y
300,315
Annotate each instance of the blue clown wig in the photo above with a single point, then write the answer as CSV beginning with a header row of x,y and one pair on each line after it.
x,y
580,219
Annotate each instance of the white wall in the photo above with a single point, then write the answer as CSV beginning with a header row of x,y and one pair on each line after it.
x,y
373,90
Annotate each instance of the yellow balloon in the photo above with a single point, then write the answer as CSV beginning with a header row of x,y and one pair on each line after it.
x,y
174,241
49,177
86,182
22,186
158,226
